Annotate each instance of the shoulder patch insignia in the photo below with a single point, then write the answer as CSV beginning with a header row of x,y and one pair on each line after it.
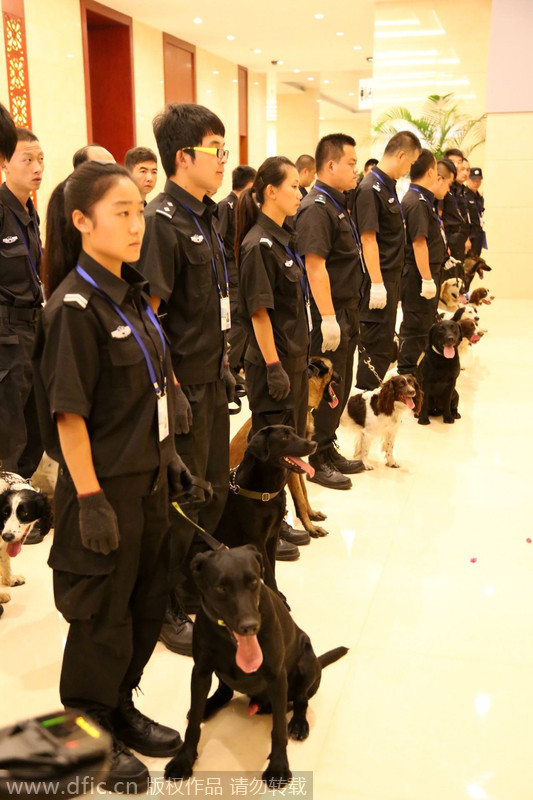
x,y
122,332
75,300
264,240
341,215
421,197
377,187
320,199
166,209
11,239
231,203
197,238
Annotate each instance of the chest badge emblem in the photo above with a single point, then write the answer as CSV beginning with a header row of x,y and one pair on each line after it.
x,y
10,239
197,238
122,332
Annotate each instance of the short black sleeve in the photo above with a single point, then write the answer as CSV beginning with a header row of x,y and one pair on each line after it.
x,y
159,260
254,282
416,218
314,230
367,208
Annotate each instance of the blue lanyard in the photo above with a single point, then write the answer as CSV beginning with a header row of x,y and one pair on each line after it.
x,y
159,389
28,251
304,282
380,179
221,247
353,227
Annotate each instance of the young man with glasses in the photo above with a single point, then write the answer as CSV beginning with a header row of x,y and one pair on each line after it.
x,y
183,258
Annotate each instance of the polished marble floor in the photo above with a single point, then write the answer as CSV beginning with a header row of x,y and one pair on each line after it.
x,y
427,576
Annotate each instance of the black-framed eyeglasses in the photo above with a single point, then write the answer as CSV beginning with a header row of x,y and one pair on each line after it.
x,y
221,154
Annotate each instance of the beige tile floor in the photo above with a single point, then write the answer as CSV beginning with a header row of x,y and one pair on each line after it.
x,y
434,700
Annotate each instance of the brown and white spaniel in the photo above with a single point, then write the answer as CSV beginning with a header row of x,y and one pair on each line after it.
x,y
378,414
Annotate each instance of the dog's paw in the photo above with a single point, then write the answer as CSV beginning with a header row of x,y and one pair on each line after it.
x,y
317,532
368,467
423,421
393,464
5,597
448,420
456,415
180,767
16,580
298,729
277,774
317,516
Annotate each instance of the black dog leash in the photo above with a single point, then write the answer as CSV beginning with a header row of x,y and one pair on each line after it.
x,y
213,543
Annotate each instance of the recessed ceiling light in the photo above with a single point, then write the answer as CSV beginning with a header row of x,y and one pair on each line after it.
x,y
318,101
230,37
319,16
216,72
198,21
357,47
209,91
256,50
296,70
322,118
370,59
256,83
351,94
340,33
235,80
310,79
326,81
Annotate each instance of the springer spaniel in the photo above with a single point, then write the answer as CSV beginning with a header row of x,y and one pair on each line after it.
x,y
21,506
378,413
481,296
471,335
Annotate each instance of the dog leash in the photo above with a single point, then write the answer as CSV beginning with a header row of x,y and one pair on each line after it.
x,y
236,489
213,543
368,363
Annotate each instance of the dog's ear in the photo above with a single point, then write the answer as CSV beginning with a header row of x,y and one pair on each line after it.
x,y
317,366
419,396
45,516
197,566
259,558
258,445
459,332
386,398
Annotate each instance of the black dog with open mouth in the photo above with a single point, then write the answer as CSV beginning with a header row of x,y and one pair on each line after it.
x,y
255,506
438,372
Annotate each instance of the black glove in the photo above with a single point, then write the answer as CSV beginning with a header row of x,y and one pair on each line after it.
x,y
200,493
179,478
183,413
230,382
98,523
278,381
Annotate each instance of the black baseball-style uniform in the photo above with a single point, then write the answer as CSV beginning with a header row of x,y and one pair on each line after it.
x,y
456,220
272,278
325,228
378,209
476,207
226,221
20,306
421,219
183,259
88,362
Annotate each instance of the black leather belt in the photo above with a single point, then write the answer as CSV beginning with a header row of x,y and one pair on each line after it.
x,y
14,314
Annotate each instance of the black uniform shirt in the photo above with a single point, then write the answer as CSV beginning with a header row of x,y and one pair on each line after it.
x,y
476,206
226,224
176,259
421,220
271,278
18,284
377,209
324,229
454,208
89,363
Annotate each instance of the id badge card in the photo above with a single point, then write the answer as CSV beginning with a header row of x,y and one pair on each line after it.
x,y
225,314
309,318
162,417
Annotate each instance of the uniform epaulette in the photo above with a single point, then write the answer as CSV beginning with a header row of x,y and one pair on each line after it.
x,y
320,199
377,187
76,300
167,208
264,240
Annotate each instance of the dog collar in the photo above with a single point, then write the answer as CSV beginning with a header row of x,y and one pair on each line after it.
x,y
435,349
263,496
221,623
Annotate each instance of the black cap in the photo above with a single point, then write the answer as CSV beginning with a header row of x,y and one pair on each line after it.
x,y
476,172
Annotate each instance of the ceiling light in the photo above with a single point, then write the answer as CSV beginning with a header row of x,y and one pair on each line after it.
x,y
216,72
405,53
318,101
357,47
403,34
310,79
351,94
256,83
198,21
322,118
325,81
230,37
340,33
370,59
296,70
256,50
319,16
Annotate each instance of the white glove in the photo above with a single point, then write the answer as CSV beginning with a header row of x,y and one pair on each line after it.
x,y
331,333
429,290
378,296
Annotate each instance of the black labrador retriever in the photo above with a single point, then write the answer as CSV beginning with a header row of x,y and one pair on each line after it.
x,y
438,372
245,635
256,501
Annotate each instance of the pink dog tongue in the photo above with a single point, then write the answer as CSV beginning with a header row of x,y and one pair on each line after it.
x,y
303,465
249,656
409,402
13,549
334,402
448,351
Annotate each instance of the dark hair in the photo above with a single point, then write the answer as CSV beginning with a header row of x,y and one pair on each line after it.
x,y
403,140
304,162
81,190
448,165
8,134
272,172
425,161
370,163
241,176
183,125
453,151
137,155
25,135
331,147
82,155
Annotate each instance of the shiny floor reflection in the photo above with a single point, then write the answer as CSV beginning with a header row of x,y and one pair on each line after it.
x,y
426,576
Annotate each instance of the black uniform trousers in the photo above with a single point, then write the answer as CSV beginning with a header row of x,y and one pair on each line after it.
x,y
205,451
237,336
115,604
327,419
20,440
376,340
419,315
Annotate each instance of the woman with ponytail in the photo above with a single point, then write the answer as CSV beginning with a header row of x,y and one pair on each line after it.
x,y
105,382
273,302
